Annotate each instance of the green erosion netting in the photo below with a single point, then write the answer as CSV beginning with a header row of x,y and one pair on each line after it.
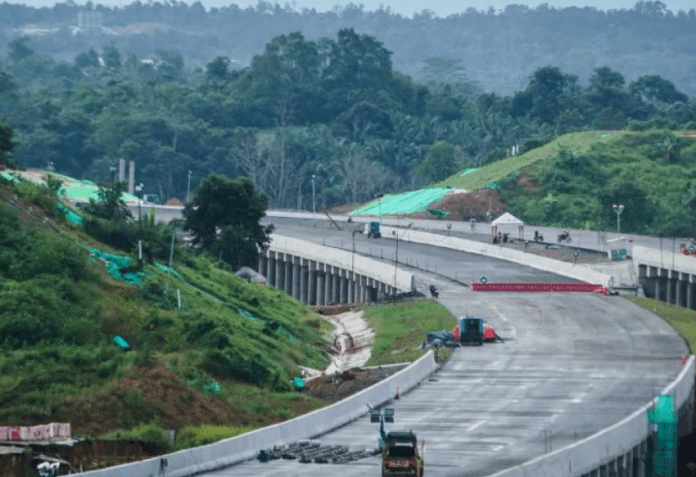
x,y
72,217
167,269
73,189
247,314
405,203
468,171
114,264
9,177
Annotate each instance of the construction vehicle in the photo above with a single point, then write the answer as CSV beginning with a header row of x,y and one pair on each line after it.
x,y
374,230
470,331
400,455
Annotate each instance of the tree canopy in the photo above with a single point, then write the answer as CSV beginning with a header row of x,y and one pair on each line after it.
x,y
224,219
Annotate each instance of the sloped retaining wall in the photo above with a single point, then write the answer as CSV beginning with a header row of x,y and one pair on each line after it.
x,y
240,448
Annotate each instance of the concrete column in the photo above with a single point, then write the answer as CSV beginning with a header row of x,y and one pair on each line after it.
x,y
689,294
658,288
261,268
321,280
678,291
304,279
336,285
328,280
312,283
642,459
271,271
363,289
628,462
296,272
670,292
353,289
343,294
288,274
279,271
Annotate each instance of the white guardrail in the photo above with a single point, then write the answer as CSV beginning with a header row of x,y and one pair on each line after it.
x,y
381,271
571,270
606,445
244,447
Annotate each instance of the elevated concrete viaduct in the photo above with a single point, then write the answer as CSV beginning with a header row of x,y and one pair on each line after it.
x,y
319,275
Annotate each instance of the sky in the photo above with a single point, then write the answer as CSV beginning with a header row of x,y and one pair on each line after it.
x,y
407,8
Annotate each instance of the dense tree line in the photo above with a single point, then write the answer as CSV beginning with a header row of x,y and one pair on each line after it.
x,y
499,49
334,109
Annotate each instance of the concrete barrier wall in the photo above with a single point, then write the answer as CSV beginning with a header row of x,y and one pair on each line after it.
x,y
368,267
236,449
663,259
606,445
577,272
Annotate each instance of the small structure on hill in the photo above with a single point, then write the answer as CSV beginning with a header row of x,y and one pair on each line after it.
x,y
251,275
507,223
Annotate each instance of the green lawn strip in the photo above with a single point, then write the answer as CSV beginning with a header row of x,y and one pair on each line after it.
x,y
682,319
400,329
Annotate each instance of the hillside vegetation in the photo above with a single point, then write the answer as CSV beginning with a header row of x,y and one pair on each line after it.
x,y
225,356
574,180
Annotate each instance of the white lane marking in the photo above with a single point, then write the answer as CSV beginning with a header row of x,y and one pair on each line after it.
x,y
478,424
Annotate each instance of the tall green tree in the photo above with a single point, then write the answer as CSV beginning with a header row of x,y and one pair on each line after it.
x,y
225,219
109,204
6,145
440,162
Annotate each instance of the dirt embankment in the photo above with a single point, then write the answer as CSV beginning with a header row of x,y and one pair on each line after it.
x,y
148,392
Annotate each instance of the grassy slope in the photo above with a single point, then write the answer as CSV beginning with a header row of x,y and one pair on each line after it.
x,y
401,328
99,388
496,171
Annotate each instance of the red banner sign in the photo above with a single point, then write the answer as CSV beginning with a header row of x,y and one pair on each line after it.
x,y
539,287
35,433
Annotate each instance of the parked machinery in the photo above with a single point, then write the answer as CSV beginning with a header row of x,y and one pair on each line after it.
x,y
373,230
400,455
470,331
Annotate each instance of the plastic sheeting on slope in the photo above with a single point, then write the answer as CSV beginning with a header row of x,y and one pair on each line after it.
x,y
405,203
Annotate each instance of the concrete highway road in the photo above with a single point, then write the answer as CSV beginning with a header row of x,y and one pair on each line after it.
x,y
589,239
572,364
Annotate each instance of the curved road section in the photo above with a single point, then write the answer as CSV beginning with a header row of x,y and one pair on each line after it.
x,y
572,364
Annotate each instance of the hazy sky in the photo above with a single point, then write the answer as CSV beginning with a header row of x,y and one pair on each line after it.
x,y
408,7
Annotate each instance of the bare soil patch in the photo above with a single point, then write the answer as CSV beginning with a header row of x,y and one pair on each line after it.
x,y
333,388
148,392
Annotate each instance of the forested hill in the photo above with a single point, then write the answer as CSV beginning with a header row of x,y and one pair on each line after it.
x,y
332,118
498,49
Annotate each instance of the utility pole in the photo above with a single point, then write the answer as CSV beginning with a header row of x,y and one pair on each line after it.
x,y
618,209
188,189
396,258
352,263
314,201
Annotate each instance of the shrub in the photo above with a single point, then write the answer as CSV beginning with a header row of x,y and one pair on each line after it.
x,y
156,440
